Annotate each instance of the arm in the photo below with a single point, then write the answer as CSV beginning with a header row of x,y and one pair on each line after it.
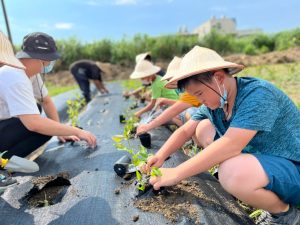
x,y
52,114
228,146
166,116
165,101
50,108
100,86
38,124
147,108
177,139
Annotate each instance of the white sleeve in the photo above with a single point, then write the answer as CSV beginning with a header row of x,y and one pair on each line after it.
x,y
20,99
39,89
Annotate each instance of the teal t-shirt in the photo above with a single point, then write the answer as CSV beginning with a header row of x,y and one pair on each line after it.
x,y
260,106
159,90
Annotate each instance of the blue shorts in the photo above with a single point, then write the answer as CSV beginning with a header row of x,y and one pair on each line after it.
x,y
284,177
190,111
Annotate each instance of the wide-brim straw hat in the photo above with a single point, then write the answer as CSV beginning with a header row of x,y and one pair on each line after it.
x,y
200,60
7,56
173,69
144,69
142,56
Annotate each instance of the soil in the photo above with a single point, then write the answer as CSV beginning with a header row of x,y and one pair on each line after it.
x,y
122,71
48,190
286,56
179,201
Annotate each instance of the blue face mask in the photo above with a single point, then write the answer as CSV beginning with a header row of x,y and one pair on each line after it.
x,y
223,98
179,90
48,69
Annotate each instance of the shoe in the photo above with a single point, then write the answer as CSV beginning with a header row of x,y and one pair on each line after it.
x,y
291,217
6,182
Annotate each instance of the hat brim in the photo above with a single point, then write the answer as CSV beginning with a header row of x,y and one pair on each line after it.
x,y
167,77
13,62
32,55
144,74
233,69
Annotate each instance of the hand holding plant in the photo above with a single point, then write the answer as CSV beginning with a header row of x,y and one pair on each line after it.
x,y
169,177
143,128
139,159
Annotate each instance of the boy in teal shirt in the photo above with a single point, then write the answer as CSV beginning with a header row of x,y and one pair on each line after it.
x,y
147,72
248,127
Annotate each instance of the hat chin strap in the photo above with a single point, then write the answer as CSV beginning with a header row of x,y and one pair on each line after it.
x,y
225,100
215,91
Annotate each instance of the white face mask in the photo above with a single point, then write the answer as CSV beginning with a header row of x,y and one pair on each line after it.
x,y
146,83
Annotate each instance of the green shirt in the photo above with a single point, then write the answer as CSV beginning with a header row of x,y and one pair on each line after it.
x,y
159,90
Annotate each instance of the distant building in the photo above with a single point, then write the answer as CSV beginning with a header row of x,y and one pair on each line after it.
x,y
223,25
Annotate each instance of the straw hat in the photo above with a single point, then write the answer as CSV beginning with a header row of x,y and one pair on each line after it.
x,y
200,60
144,69
7,56
142,56
173,68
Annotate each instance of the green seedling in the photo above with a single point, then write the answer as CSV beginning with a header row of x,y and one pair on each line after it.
x,y
138,159
130,127
74,107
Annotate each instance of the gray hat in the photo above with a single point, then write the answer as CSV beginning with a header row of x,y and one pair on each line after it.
x,y
38,45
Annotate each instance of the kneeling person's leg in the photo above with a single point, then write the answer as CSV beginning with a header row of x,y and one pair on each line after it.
x,y
262,181
205,133
17,140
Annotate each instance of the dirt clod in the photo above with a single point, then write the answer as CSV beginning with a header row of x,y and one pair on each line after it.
x,y
135,218
117,191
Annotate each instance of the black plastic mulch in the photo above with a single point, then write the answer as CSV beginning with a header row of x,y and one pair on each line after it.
x,y
91,198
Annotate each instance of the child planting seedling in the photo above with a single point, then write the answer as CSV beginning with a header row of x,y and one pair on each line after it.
x,y
138,159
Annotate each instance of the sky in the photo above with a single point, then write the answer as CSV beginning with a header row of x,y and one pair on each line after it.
x,y
91,20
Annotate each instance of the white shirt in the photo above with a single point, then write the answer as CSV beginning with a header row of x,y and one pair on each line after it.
x,y
39,89
16,93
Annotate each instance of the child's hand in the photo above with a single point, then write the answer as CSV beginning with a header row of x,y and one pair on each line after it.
x,y
169,177
137,114
153,160
143,128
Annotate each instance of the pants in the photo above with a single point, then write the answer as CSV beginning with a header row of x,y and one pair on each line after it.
x,y
83,81
17,140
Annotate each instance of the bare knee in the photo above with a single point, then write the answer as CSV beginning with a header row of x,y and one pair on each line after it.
x,y
230,176
235,175
205,133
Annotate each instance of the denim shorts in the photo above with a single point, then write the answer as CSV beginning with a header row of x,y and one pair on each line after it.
x,y
284,177
190,111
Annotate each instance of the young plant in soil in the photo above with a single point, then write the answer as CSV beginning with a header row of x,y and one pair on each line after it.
x,y
130,127
138,159
74,107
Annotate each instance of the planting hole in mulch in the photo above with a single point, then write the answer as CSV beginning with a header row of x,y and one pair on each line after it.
x,y
48,190
179,201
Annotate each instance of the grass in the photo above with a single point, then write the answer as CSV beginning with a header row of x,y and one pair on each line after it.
x,y
56,90
285,76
